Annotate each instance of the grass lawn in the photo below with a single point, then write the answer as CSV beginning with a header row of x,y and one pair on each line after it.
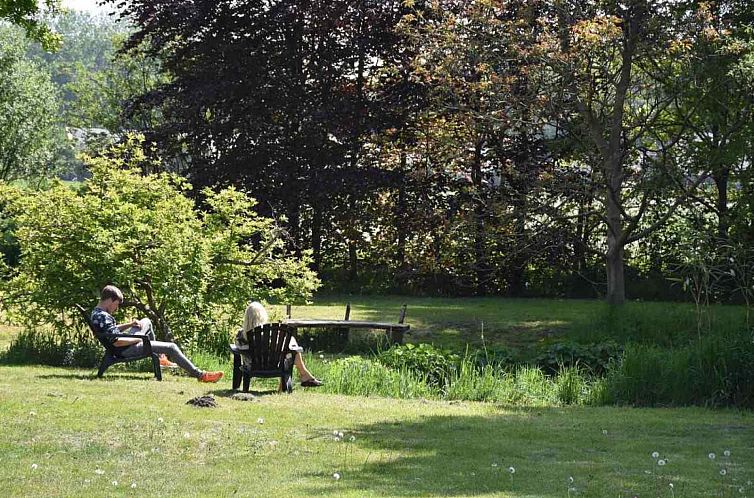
x,y
66,433
521,323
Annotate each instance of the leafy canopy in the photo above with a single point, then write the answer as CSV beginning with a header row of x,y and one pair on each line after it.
x,y
191,271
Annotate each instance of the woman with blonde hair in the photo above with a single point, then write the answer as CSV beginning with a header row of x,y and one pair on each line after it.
x,y
255,316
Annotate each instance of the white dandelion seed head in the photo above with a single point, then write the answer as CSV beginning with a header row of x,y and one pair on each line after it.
x,y
352,438
570,479
512,469
604,432
726,453
34,466
32,413
671,485
87,481
260,420
160,420
99,472
335,433
723,472
741,490
115,483
655,455
321,357
340,435
186,435
494,465
336,476
711,456
661,462
337,439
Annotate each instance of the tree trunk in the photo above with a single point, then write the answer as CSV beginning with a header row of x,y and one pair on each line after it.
x,y
616,284
400,217
721,177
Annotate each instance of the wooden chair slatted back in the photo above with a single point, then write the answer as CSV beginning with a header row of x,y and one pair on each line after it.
x,y
268,344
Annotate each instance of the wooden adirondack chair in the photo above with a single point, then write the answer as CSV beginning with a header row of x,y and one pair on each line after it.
x,y
269,355
112,353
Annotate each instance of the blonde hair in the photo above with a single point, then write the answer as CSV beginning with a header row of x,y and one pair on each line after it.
x,y
255,316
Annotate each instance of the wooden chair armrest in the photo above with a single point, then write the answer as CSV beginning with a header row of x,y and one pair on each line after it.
x,y
144,339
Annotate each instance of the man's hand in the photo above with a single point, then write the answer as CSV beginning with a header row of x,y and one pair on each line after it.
x,y
135,324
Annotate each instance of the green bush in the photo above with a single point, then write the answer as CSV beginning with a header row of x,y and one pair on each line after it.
x,y
716,371
594,357
47,348
433,364
190,271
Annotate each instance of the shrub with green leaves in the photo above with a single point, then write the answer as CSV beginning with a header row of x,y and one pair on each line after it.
x,y
190,270
435,365
594,357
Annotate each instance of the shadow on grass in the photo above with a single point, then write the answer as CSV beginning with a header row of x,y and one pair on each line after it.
x,y
472,455
228,393
93,376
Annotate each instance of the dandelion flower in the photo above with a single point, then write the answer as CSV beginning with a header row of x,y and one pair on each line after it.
x,y
133,485
570,479
34,466
99,472
336,476
671,485
260,420
661,462
32,413
723,472
337,439
512,469
321,357
340,435
726,453
115,483
711,456
655,455
335,433
352,438
160,420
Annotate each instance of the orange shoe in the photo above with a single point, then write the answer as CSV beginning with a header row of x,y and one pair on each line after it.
x,y
211,377
164,362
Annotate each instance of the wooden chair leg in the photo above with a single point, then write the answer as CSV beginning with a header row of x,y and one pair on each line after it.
x,y
104,365
156,366
246,382
237,374
287,382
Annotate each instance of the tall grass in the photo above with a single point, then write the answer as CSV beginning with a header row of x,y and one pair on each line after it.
x,y
716,371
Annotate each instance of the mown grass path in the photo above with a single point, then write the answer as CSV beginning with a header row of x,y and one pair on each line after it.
x,y
65,433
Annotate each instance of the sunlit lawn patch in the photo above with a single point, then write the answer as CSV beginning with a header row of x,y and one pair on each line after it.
x,y
68,434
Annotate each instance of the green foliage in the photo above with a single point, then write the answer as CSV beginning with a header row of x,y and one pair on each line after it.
x,y
593,357
28,15
713,372
29,105
363,377
434,365
190,271
45,348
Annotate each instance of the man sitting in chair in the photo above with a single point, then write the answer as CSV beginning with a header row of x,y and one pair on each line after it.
x,y
103,322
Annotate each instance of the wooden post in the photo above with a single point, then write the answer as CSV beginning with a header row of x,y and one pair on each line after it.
x,y
403,313
288,310
343,331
